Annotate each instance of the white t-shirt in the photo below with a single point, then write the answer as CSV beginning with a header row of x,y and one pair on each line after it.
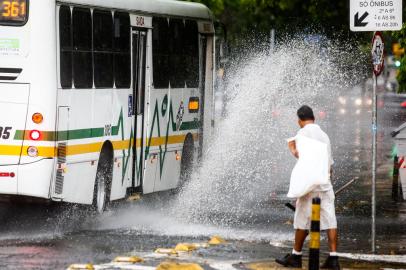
x,y
314,131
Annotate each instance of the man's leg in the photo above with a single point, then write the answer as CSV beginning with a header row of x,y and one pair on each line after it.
x,y
332,239
332,259
300,237
302,217
294,259
328,218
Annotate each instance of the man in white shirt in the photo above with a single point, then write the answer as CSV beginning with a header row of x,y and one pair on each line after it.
x,y
325,192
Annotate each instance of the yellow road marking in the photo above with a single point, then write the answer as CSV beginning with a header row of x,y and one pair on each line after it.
x,y
131,259
167,251
185,247
81,267
178,266
216,240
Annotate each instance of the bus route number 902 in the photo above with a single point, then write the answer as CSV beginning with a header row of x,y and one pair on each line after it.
x,y
5,132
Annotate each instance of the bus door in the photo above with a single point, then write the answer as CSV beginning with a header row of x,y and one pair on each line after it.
x,y
202,85
206,43
139,41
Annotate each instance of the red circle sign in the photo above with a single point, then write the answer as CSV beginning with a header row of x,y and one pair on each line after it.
x,y
378,53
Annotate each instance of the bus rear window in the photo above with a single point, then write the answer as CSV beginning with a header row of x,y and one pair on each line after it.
x,y
13,12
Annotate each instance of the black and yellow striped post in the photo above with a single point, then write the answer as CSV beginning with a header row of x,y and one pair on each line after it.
x,y
395,182
314,249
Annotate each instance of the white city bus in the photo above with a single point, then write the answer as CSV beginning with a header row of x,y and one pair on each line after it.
x,y
102,98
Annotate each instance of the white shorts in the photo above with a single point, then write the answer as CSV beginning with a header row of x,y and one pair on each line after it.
x,y
327,211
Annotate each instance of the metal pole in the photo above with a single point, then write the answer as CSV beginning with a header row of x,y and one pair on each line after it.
x,y
374,142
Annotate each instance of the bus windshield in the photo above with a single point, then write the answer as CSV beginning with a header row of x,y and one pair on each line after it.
x,y
13,12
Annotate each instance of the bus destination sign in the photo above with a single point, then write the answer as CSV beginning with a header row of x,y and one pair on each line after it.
x,y
13,11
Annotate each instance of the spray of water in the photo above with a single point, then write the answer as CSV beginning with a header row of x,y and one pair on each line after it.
x,y
234,191
247,159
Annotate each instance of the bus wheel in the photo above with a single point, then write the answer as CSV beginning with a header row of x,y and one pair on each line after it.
x,y
104,176
186,163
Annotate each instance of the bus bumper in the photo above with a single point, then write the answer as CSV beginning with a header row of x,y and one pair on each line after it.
x,y
33,180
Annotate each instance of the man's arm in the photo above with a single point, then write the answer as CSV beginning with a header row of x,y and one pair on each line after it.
x,y
292,148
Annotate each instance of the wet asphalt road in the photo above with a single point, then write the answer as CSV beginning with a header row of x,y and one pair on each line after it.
x,y
54,236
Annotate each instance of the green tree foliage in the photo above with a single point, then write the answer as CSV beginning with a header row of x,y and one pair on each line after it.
x,y
242,17
245,18
401,36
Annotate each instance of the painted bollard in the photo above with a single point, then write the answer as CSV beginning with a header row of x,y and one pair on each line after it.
x,y
395,182
314,248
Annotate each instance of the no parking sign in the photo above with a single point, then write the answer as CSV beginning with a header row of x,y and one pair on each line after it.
x,y
377,52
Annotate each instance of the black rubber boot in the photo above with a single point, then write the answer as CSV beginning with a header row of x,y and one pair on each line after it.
x,y
291,260
331,263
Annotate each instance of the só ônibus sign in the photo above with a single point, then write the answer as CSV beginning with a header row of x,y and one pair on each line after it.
x,y
375,15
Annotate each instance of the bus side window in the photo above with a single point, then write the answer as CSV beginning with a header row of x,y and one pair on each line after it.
x,y
177,71
191,51
103,49
161,52
122,53
175,53
65,40
82,48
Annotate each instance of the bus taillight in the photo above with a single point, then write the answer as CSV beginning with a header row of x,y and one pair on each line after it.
x,y
7,174
35,135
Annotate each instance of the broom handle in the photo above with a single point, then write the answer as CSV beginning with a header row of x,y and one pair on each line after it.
x,y
293,208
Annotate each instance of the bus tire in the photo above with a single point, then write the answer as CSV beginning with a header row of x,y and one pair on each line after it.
x,y
187,159
104,177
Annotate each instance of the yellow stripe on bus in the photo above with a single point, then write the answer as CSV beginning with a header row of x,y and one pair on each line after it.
x,y
15,150
79,149
43,151
10,150
171,140
121,145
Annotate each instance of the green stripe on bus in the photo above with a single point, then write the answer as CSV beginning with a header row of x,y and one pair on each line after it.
x,y
66,135
19,135
79,134
190,125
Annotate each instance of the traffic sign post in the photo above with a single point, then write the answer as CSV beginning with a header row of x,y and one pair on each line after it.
x,y
375,15
377,53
